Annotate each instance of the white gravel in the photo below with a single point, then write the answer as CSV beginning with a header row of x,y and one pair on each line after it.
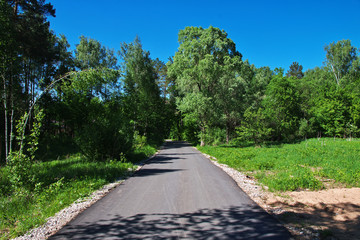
x,y
259,194
61,218
245,182
55,223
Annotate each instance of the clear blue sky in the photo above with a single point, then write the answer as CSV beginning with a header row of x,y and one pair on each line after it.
x,y
268,33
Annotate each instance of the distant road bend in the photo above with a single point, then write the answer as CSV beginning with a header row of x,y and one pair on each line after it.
x,y
179,194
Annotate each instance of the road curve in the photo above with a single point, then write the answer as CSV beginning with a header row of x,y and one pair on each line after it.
x,y
179,194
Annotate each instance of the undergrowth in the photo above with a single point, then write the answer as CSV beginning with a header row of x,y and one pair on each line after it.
x,y
290,167
59,184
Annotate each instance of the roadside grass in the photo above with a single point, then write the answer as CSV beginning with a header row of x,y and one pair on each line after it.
x,y
142,153
60,183
312,164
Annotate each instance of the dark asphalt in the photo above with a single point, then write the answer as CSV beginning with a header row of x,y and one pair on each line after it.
x,y
179,194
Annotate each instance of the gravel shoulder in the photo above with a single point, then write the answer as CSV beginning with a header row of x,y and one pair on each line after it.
x,y
325,214
57,222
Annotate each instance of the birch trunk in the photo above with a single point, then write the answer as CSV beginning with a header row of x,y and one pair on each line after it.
x,y
11,125
5,119
12,114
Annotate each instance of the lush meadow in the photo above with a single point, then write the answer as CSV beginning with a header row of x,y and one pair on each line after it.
x,y
312,164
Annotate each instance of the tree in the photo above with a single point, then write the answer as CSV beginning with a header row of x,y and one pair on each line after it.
x,y
295,71
7,57
201,61
35,41
89,54
142,94
230,92
28,57
255,126
282,106
161,77
339,58
93,104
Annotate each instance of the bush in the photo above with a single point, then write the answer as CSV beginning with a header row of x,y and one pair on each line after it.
x,y
190,131
215,136
106,134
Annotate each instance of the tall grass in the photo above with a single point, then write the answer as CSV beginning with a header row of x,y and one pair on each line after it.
x,y
289,167
60,183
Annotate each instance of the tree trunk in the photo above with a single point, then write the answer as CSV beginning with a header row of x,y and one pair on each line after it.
x,y
12,114
202,143
228,126
5,119
227,134
11,125
16,6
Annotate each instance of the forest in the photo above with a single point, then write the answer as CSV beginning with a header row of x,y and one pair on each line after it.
x,y
106,104
99,101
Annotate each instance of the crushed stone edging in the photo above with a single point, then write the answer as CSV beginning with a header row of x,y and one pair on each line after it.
x,y
60,219
257,194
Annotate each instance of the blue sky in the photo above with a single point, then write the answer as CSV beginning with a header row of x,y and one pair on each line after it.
x,y
268,33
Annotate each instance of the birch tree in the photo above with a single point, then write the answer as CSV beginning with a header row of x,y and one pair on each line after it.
x,y
339,58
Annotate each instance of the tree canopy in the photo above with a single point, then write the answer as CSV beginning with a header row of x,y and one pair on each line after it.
x,y
106,102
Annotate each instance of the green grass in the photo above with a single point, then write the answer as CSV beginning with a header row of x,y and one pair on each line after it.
x,y
60,183
289,167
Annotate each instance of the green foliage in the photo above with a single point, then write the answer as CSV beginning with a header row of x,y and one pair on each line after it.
x,y
332,112
191,131
144,106
254,127
139,141
215,136
204,68
105,132
21,161
90,54
290,167
60,183
57,146
95,108
282,107
340,56
305,128
295,71
141,153
294,179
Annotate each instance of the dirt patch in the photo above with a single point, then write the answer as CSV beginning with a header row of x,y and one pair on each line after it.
x,y
333,213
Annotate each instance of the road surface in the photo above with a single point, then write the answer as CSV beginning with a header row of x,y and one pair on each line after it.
x,y
179,194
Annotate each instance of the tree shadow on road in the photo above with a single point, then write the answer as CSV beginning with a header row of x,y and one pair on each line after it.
x,y
176,144
154,171
163,159
247,222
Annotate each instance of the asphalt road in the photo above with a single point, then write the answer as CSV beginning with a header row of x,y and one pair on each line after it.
x,y
179,194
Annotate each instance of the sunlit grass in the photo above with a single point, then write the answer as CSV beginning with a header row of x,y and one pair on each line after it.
x,y
289,167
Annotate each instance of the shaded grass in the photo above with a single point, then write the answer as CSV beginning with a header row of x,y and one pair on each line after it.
x,y
289,167
142,153
59,184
